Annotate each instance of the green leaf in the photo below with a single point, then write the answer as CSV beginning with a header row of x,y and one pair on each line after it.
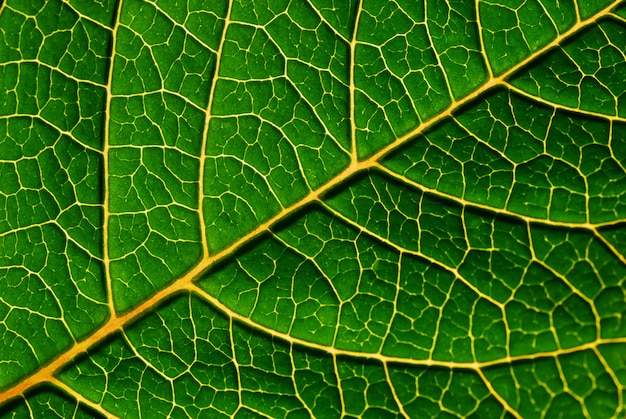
x,y
312,208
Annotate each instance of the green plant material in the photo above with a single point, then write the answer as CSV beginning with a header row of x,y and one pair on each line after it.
x,y
312,208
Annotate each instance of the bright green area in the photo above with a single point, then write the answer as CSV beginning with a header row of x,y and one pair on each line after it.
x,y
48,402
576,381
281,116
587,74
138,137
51,189
511,29
162,72
454,32
542,163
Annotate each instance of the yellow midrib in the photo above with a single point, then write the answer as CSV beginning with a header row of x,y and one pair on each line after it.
x,y
185,283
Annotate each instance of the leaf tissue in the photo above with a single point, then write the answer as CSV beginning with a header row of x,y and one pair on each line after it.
x,y
312,208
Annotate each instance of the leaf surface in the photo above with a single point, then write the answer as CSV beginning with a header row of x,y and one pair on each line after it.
x,y
312,208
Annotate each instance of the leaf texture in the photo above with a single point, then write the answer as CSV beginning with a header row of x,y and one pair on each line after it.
x,y
312,208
